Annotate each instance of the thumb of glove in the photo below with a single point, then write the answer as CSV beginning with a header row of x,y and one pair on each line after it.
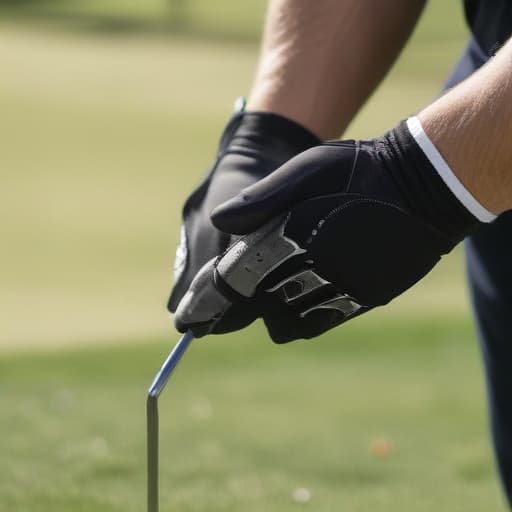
x,y
315,172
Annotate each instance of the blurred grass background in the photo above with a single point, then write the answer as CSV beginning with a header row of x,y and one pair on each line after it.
x,y
106,130
110,114
244,424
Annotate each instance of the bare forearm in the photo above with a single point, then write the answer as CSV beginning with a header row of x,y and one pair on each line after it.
x,y
321,60
471,126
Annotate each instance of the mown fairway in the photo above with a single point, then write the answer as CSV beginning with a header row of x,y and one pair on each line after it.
x,y
108,117
245,423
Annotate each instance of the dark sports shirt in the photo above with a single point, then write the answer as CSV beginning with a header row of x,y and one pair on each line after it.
x,y
490,21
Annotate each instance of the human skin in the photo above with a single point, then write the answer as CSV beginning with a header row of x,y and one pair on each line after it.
x,y
471,126
321,59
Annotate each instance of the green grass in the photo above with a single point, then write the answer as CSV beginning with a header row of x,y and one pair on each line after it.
x,y
244,423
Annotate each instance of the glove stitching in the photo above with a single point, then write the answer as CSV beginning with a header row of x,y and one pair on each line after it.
x,y
354,163
338,209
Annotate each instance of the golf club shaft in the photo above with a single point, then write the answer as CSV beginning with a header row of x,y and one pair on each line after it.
x,y
170,363
155,389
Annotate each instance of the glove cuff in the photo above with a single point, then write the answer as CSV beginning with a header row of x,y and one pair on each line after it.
x,y
262,128
426,193
446,174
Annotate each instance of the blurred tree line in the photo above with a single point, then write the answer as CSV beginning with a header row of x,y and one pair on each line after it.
x,y
220,19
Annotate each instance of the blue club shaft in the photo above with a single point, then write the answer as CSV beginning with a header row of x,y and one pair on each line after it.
x,y
170,363
154,391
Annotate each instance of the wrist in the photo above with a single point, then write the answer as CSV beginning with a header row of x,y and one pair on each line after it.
x,y
424,187
462,150
451,180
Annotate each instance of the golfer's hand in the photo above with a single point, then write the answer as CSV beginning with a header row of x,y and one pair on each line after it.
x,y
252,146
336,231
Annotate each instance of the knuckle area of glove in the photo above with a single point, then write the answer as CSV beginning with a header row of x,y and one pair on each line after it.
x,y
372,251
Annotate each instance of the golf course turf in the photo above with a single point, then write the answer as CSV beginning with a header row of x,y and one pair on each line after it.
x,y
245,423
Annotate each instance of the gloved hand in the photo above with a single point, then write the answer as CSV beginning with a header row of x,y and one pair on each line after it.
x,y
336,231
252,146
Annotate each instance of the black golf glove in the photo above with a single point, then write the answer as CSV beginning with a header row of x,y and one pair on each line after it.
x,y
336,231
253,145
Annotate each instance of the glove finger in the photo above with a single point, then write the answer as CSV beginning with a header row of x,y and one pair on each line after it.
x,y
200,241
209,308
202,304
284,328
305,305
224,294
315,172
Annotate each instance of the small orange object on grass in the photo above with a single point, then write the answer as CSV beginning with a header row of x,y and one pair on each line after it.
x,y
380,448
